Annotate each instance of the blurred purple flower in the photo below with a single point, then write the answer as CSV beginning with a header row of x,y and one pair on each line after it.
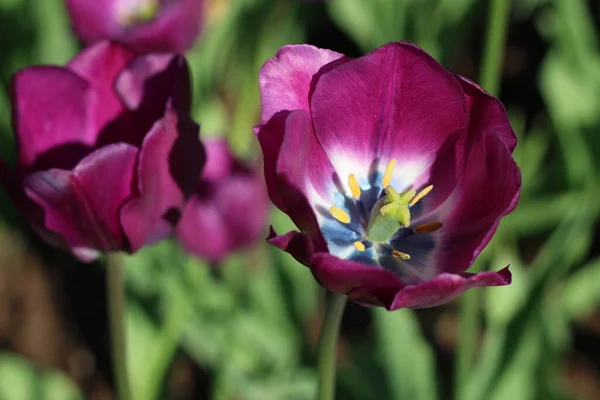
x,y
229,208
396,172
106,151
146,25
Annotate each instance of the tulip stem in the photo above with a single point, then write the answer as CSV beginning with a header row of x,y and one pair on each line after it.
x,y
116,314
491,68
335,304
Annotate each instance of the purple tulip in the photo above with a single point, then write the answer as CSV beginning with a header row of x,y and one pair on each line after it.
x,y
395,171
106,151
229,208
146,25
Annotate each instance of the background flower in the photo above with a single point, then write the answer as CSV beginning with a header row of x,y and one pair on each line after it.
x,y
229,208
146,25
337,133
106,152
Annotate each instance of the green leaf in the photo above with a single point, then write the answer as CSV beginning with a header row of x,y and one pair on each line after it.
x,y
151,347
56,44
23,381
371,23
408,360
580,294
567,245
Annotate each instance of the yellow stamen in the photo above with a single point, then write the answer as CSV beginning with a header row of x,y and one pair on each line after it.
x,y
387,175
428,227
359,246
401,255
420,195
354,188
339,214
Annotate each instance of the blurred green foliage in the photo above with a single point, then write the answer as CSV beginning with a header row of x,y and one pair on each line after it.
x,y
251,321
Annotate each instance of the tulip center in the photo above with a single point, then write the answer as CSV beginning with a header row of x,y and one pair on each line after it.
x,y
384,223
134,12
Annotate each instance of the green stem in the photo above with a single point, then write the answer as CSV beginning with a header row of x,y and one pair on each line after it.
x,y
491,66
116,315
491,69
330,330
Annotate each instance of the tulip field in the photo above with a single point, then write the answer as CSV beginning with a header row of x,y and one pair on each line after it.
x,y
299,199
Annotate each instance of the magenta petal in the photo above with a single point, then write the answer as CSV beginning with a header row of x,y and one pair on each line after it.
x,y
83,205
169,167
486,112
93,20
396,101
297,244
270,137
229,208
489,189
303,173
100,65
446,287
41,122
365,284
220,162
286,80
202,230
149,81
173,30
231,218
302,160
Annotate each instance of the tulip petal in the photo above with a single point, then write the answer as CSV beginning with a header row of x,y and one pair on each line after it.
x,y
287,79
364,283
44,125
304,186
148,85
446,287
220,162
489,189
83,205
100,65
93,20
202,230
486,112
270,137
216,223
173,30
168,171
395,102
297,244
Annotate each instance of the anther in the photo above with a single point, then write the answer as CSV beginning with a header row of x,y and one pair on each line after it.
x,y
339,214
420,195
387,175
359,246
354,188
428,227
401,255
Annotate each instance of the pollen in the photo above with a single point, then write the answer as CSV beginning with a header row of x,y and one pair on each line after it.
x,y
420,195
354,188
401,255
428,227
387,175
339,214
359,246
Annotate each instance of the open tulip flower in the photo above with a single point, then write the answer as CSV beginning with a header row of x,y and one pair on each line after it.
x,y
229,208
146,25
396,172
106,151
